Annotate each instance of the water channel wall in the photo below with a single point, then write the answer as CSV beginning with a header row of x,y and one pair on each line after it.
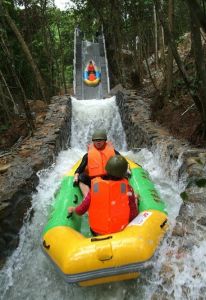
x,y
184,164
19,181
177,158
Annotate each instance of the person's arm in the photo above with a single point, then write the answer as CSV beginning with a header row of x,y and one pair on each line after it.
x,y
81,167
133,204
81,208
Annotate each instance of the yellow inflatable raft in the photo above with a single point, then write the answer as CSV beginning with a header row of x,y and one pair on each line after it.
x,y
87,260
92,79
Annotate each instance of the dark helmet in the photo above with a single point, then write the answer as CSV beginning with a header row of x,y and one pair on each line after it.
x,y
99,135
117,166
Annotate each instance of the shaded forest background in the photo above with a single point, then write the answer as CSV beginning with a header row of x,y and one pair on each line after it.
x,y
156,47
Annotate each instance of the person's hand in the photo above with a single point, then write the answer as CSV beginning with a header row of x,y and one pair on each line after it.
x,y
76,179
128,173
136,198
71,209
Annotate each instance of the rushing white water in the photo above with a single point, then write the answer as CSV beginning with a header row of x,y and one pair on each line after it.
x,y
28,274
89,115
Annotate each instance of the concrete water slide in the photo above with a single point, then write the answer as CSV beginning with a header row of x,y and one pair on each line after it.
x,y
84,51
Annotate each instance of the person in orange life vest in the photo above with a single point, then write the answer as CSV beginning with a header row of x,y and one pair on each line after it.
x,y
111,201
91,71
94,161
91,68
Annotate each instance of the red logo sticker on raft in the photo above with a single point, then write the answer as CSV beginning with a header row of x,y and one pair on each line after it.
x,y
141,218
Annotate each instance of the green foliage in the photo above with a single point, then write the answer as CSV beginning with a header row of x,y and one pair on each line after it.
x,y
184,196
48,33
199,161
201,182
4,127
69,74
181,20
179,82
42,24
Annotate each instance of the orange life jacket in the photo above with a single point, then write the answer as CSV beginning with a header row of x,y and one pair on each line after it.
x,y
97,159
92,77
109,207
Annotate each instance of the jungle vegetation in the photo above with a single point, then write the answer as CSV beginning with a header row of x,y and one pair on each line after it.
x,y
36,48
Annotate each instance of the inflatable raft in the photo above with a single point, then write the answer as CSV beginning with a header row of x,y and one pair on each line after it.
x,y
87,260
92,79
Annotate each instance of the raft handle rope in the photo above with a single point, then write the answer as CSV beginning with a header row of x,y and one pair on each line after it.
x,y
75,183
45,245
95,239
69,215
75,201
164,223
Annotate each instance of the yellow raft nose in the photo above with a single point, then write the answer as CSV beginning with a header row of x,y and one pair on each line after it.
x,y
106,258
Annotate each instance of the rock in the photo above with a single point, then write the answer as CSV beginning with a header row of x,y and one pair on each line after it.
x,y
191,161
116,89
5,208
202,221
25,153
37,164
178,231
195,194
167,273
2,244
37,106
40,119
4,168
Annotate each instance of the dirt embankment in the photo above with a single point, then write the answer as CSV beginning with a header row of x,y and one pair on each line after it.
x,y
180,116
177,112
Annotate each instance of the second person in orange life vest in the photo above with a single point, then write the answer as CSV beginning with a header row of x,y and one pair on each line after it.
x,y
111,201
94,161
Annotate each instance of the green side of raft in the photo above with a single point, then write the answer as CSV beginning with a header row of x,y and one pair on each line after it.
x,y
67,195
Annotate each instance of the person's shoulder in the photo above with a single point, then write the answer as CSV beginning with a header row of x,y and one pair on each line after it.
x,y
84,158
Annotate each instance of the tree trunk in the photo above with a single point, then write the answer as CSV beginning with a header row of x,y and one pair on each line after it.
x,y
148,69
155,37
26,51
195,6
7,115
49,44
116,18
9,93
175,53
199,60
23,99
162,41
62,59
170,55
